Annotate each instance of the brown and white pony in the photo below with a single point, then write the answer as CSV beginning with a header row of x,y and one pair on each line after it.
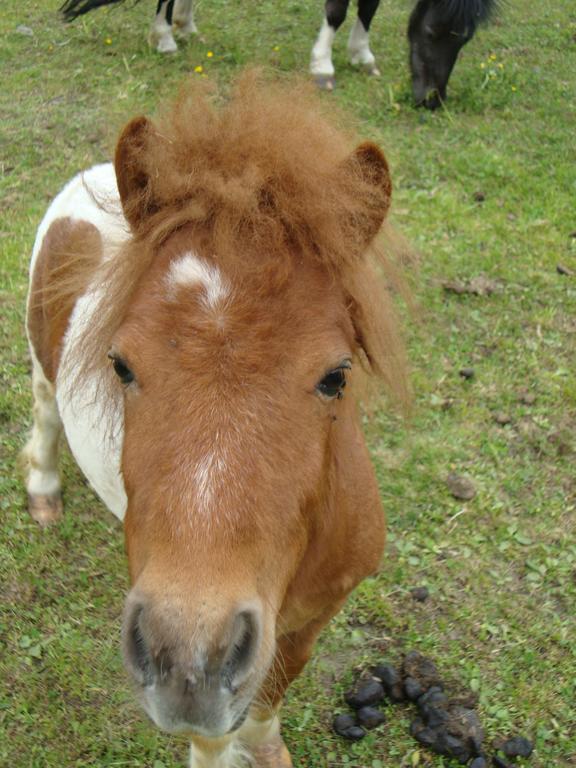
x,y
198,315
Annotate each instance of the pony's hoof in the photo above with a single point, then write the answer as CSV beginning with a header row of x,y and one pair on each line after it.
x,y
325,82
372,70
274,755
163,44
45,509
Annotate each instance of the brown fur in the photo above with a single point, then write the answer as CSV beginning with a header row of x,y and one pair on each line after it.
x,y
69,254
267,190
261,173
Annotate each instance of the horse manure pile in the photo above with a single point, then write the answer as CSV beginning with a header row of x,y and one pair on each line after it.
x,y
449,726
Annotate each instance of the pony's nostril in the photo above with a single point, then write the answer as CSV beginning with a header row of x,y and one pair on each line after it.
x,y
243,648
136,651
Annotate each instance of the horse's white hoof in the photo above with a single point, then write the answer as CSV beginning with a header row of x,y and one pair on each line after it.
x,y
45,508
167,46
372,70
325,82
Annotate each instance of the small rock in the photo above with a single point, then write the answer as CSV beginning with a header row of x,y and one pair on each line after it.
x,y
342,723
502,419
22,29
467,373
367,693
479,196
370,717
562,270
355,733
413,689
391,681
420,594
460,487
518,746
476,286
479,762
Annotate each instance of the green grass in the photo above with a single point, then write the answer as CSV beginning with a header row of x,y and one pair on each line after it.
x,y
501,569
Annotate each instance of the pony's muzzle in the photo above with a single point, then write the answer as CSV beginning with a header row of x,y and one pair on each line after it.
x,y
192,676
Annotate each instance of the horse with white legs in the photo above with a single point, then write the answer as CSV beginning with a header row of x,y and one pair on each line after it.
x,y
172,17
199,314
437,30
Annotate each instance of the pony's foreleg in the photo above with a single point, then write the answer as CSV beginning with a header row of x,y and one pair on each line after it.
x,y
41,453
260,737
358,43
183,20
161,36
321,65
214,753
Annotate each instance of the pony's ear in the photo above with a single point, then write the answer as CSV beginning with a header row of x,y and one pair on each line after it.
x,y
132,174
368,164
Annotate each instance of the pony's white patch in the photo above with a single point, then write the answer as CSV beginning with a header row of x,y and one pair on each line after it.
x,y
321,59
191,270
93,197
208,475
359,47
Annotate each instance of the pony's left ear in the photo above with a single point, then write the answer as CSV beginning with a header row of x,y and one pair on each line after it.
x,y
368,164
132,173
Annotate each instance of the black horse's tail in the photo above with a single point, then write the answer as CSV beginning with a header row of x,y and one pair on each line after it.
x,y
71,9
468,13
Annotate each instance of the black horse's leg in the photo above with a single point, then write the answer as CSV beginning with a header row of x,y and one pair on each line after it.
x,y
161,36
321,60
358,45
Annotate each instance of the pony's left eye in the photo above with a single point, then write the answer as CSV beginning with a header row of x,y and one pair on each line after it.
x,y
121,370
332,385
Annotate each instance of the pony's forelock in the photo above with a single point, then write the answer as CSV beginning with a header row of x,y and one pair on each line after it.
x,y
259,175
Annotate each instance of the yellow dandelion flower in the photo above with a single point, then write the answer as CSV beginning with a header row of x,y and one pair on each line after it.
x,y
199,69
500,65
493,57
276,48
210,54
514,88
482,65
108,41
50,47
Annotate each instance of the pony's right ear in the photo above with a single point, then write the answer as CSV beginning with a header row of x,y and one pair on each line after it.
x,y
132,173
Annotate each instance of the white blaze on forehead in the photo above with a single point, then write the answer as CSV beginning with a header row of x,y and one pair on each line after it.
x,y
191,270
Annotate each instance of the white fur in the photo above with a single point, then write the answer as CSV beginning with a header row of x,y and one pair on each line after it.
x,y
161,36
321,60
93,197
190,270
41,452
359,47
183,18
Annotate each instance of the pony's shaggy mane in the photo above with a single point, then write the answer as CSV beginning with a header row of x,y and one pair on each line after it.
x,y
260,175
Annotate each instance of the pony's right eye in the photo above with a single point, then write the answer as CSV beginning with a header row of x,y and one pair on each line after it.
x,y
121,370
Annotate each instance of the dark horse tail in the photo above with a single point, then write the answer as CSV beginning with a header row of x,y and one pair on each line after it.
x,y
71,9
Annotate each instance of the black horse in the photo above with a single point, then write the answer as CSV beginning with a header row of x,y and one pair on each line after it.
x,y
437,30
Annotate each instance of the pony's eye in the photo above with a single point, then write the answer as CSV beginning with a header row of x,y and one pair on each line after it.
x,y
332,385
121,370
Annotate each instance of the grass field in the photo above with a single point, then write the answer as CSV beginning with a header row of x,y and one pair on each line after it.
x,y
485,187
